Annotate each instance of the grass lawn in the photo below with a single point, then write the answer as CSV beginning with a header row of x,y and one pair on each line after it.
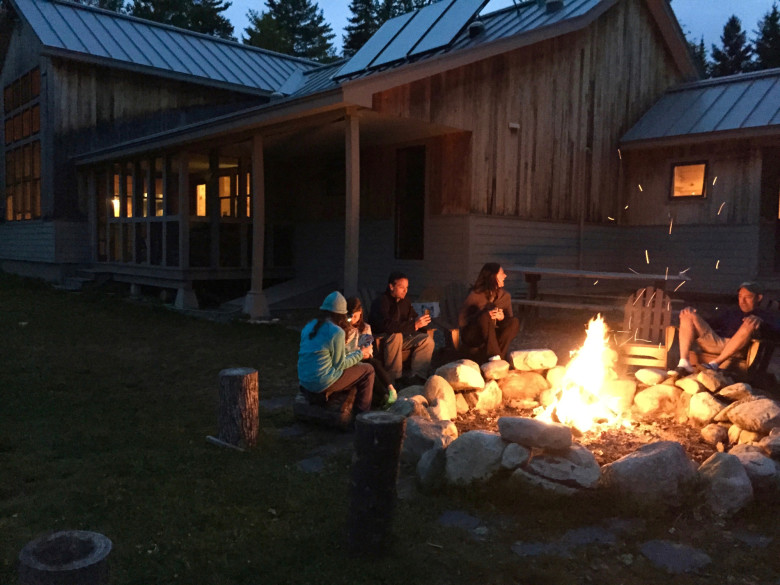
x,y
105,405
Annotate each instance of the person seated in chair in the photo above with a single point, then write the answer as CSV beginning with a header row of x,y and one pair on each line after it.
x,y
324,367
727,334
392,315
487,325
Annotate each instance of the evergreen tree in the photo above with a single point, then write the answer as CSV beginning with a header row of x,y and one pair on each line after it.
x,y
767,43
362,24
115,5
203,16
388,9
699,54
736,52
297,28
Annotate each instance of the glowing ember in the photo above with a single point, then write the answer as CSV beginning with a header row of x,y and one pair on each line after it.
x,y
580,400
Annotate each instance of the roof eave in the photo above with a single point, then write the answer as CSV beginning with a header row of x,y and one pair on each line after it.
x,y
701,138
674,37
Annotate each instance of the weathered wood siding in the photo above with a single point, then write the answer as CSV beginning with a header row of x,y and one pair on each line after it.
x,y
571,98
733,185
32,241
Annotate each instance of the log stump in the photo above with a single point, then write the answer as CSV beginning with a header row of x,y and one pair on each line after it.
x,y
239,406
70,557
373,489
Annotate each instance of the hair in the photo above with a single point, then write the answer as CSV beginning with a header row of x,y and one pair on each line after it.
x,y
395,277
486,280
336,318
353,305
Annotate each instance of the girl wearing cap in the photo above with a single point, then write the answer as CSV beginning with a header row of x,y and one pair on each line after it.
x,y
324,366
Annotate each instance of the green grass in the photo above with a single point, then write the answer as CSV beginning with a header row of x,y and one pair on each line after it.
x,y
104,409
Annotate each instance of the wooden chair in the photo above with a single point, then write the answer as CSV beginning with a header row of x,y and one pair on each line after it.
x,y
647,329
450,304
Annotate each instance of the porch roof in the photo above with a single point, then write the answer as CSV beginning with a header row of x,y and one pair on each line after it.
x,y
85,33
738,106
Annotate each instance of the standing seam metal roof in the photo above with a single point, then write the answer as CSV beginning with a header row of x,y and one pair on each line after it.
x,y
738,102
141,44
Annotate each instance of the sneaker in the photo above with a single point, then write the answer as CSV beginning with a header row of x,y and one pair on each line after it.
x,y
680,371
711,367
392,396
494,358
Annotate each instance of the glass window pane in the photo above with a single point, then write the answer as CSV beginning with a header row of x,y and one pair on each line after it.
x,y
36,119
688,180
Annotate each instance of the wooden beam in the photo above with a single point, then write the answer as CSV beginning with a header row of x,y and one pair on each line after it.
x,y
255,304
352,212
184,210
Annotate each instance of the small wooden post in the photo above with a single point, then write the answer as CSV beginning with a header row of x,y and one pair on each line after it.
x,y
378,440
238,407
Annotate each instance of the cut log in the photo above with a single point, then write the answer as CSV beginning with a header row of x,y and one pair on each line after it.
x,y
332,411
69,557
378,439
239,418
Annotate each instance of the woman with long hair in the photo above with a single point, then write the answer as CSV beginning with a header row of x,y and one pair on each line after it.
x,y
487,325
359,336
324,366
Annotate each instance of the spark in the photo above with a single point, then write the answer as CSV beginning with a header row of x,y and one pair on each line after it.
x,y
684,271
717,264
620,156
671,222
635,301
595,283
643,340
632,270
626,207
610,218
679,285
640,187
721,207
666,275
715,179
650,300
647,257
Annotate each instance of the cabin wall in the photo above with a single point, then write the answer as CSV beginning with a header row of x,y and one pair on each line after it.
x,y
570,98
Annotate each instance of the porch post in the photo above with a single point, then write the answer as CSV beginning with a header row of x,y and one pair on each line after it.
x,y
185,296
352,211
255,304
92,214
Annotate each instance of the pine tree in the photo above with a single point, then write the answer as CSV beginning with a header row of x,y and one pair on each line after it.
x,y
203,16
297,27
767,41
736,52
115,5
699,54
388,9
362,24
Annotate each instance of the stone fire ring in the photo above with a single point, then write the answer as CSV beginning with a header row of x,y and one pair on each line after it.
x,y
70,557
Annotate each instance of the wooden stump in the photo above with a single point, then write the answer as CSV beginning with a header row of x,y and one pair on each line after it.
x,y
239,418
378,440
70,557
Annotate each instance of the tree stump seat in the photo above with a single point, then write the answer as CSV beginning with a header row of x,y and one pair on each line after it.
x,y
332,410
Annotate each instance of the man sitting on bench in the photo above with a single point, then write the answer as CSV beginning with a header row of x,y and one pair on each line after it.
x,y
731,332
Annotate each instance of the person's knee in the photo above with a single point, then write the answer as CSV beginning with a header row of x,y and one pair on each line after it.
x,y
393,339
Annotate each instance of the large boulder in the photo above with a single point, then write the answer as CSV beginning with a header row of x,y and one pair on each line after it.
x,y
760,415
715,434
656,473
575,467
650,376
704,407
619,394
531,432
761,470
422,435
660,398
725,484
522,386
430,469
689,385
514,456
474,456
533,359
489,398
713,380
441,398
462,375
738,391
494,369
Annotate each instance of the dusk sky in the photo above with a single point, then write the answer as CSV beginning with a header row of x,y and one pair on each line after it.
x,y
697,17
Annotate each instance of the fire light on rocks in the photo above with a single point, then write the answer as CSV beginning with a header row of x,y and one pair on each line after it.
x,y
580,401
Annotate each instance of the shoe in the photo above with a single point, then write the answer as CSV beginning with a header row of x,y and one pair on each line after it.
x,y
392,396
494,358
710,367
681,371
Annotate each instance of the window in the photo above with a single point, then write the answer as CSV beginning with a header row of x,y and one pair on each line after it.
x,y
688,180
22,123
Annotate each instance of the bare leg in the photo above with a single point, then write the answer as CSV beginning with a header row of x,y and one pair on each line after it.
x,y
740,339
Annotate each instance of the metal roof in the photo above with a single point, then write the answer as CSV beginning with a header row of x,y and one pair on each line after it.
x,y
92,34
745,103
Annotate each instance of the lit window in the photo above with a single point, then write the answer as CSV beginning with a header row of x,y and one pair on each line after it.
x,y
688,180
200,191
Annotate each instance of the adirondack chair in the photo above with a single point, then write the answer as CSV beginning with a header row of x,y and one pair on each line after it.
x,y
647,329
450,304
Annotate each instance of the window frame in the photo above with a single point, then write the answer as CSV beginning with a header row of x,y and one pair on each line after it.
x,y
688,163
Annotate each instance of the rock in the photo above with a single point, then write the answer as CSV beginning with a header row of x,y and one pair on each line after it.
x,y
430,469
745,448
760,415
531,432
462,375
723,415
761,470
619,393
411,391
689,385
522,479
674,558
655,473
771,446
522,385
494,369
443,410
650,376
734,432
515,455
533,359
441,398
749,437
474,456
461,404
547,397
713,380
738,391
657,399
555,375
726,485
576,467
715,433
415,406
704,407
422,435
489,398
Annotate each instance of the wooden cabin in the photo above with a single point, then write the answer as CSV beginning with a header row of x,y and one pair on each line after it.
x,y
446,142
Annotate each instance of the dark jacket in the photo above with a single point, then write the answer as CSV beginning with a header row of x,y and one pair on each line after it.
x,y
390,315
